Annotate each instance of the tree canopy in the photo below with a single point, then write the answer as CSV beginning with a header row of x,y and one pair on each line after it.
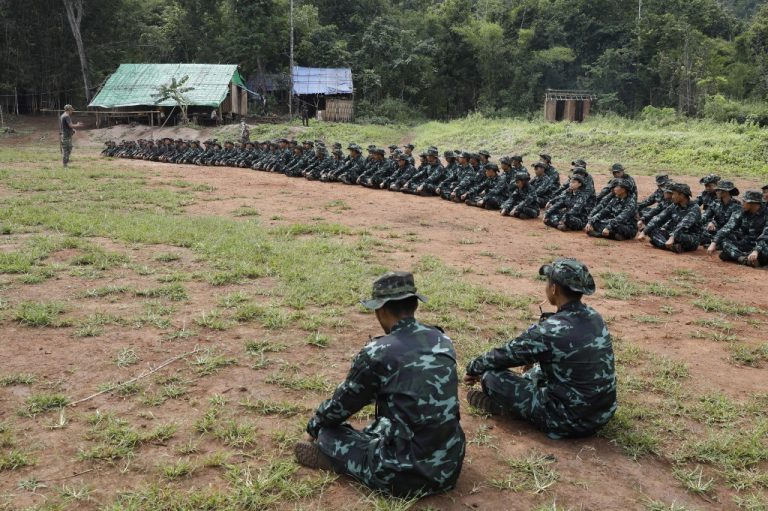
x,y
440,58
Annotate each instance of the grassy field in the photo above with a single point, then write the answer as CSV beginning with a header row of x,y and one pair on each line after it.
x,y
106,251
688,147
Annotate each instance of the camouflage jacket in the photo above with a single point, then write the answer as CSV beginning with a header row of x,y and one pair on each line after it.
x,y
469,178
450,176
545,186
435,175
615,211
578,380
482,187
743,227
762,241
705,199
720,213
653,211
575,204
609,188
589,186
677,220
524,197
654,198
410,374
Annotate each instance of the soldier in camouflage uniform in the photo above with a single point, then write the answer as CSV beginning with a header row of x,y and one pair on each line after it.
x,y
475,196
709,194
471,176
543,183
415,446
522,202
759,254
571,389
654,198
550,170
66,132
653,211
677,228
427,158
619,172
403,170
569,212
454,175
436,175
719,212
401,177
739,237
615,218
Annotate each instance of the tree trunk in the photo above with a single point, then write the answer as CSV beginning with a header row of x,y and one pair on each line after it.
x,y
75,16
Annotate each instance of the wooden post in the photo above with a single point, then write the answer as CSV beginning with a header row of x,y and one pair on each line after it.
x,y
586,109
570,110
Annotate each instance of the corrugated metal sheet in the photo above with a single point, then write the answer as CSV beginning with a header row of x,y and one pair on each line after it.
x,y
321,80
134,84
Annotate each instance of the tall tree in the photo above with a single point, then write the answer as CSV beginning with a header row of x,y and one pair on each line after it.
x,y
75,11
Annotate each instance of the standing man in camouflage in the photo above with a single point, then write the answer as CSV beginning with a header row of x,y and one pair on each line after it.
x,y
415,446
66,132
571,389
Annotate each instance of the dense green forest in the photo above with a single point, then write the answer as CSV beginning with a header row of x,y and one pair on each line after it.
x,y
430,58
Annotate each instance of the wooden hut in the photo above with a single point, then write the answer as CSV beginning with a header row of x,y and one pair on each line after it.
x,y
327,93
567,105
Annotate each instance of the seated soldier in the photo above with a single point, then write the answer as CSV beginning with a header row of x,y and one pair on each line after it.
x,y
738,238
619,172
522,202
571,389
435,175
498,192
677,228
720,211
471,176
654,198
450,172
653,211
543,183
759,254
401,175
415,446
709,194
426,158
462,171
475,195
615,219
569,211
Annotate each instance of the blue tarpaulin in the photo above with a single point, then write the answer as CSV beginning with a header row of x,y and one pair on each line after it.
x,y
321,80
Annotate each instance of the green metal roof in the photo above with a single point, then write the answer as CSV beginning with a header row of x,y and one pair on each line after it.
x,y
134,84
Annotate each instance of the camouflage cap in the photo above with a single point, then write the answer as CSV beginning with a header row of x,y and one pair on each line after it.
x,y
709,179
423,154
579,163
491,166
392,286
309,143
432,151
753,197
337,145
764,188
727,186
624,183
380,151
403,157
580,170
661,179
516,157
539,165
392,147
522,176
617,167
410,146
484,152
354,147
680,188
570,273
449,154
578,177
371,148
547,158
504,160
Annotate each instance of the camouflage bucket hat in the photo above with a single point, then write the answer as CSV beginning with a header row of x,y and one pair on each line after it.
x,y
753,197
617,167
432,151
680,188
580,170
449,154
516,157
764,188
570,273
547,158
727,186
484,152
662,179
624,183
505,160
579,163
709,179
522,176
392,286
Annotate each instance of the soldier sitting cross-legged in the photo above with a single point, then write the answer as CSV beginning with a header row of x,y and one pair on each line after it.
x,y
415,446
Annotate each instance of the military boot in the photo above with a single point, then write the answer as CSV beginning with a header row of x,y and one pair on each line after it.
x,y
483,402
309,455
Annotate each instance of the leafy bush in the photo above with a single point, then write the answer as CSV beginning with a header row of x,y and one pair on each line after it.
x,y
387,111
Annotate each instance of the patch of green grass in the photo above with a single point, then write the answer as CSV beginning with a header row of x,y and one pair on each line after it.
x,y
116,438
235,434
39,403
630,430
620,286
246,211
482,436
694,480
126,357
663,290
210,361
37,276
15,459
265,407
181,468
645,318
716,323
314,383
99,259
175,292
75,493
510,272
532,473
213,320
17,379
232,300
712,303
110,290
745,355
166,257
658,505
38,314
319,340
316,229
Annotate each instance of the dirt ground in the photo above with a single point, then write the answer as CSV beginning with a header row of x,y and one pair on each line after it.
x,y
594,473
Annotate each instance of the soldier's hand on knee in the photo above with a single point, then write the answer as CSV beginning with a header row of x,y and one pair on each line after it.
x,y
588,228
711,249
670,241
471,379
606,233
752,257
640,236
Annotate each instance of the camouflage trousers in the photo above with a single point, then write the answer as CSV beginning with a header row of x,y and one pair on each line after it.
x,y
521,397
687,242
626,230
732,250
572,222
353,453
66,149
